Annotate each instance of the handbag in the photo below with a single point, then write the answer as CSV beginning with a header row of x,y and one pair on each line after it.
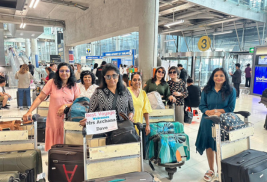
x,y
126,132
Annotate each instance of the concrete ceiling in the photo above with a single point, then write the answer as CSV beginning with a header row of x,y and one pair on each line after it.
x,y
198,20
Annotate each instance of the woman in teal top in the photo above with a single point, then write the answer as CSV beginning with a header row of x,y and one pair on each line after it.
x,y
217,97
158,83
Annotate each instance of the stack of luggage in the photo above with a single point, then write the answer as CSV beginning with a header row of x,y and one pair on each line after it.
x,y
168,143
20,164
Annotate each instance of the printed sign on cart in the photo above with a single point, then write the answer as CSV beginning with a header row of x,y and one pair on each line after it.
x,y
101,122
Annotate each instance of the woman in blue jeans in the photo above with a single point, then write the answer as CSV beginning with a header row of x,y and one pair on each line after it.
x,y
24,77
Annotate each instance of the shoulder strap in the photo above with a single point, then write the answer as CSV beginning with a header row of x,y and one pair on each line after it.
x,y
114,104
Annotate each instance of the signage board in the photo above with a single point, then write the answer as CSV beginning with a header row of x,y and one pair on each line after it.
x,y
55,58
88,51
119,53
260,80
61,51
251,50
101,122
94,57
204,43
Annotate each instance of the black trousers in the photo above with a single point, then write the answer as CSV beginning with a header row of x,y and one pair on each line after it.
x,y
248,80
236,85
32,72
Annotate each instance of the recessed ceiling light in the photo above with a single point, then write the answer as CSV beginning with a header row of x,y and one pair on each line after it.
x,y
33,34
21,34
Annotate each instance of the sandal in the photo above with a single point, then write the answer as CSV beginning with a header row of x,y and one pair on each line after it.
x,y
209,175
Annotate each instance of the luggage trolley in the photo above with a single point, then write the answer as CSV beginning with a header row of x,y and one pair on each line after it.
x,y
239,140
111,160
12,140
158,115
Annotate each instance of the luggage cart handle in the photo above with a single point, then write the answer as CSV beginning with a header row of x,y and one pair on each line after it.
x,y
215,119
245,114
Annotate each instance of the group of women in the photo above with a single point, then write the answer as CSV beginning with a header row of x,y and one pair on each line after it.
x,y
217,97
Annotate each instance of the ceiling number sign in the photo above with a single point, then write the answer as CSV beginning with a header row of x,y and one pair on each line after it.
x,y
204,43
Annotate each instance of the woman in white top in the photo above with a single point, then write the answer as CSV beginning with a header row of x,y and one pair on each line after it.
x,y
87,85
24,77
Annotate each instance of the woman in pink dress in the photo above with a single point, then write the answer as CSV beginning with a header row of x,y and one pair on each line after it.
x,y
63,91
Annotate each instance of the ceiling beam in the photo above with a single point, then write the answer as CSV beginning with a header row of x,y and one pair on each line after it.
x,y
225,28
7,18
197,26
175,9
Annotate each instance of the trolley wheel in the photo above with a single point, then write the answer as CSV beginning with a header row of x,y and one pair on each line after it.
x,y
171,171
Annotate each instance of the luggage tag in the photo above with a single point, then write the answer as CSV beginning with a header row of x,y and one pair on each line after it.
x,y
178,156
40,176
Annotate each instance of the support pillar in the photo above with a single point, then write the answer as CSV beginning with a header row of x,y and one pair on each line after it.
x,y
27,48
162,45
35,53
148,36
66,54
118,44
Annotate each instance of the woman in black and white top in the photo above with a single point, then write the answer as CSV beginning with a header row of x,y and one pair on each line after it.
x,y
103,97
179,91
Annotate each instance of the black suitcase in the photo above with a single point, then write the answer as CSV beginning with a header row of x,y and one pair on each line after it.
x,y
249,164
24,99
41,125
129,177
65,163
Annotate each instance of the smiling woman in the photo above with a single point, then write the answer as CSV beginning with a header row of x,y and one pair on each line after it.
x,y
87,85
63,91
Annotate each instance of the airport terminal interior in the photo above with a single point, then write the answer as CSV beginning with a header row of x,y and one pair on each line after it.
x,y
136,37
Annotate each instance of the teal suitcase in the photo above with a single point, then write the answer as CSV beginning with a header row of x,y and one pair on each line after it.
x,y
169,144
158,128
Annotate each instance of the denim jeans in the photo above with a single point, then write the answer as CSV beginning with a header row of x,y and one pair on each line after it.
x,y
27,94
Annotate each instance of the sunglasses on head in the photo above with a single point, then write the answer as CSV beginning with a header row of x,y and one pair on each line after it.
x,y
114,76
172,72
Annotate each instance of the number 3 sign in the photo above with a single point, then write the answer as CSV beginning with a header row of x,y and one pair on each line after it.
x,y
204,43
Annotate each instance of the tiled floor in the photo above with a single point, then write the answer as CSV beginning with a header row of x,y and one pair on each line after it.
x,y
194,169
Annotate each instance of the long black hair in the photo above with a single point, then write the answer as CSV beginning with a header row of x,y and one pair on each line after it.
x,y
71,80
226,88
84,73
162,81
95,65
103,84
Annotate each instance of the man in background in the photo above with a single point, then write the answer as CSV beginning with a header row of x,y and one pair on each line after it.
x,y
183,73
78,73
31,68
3,96
236,79
248,75
53,67
194,94
99,72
